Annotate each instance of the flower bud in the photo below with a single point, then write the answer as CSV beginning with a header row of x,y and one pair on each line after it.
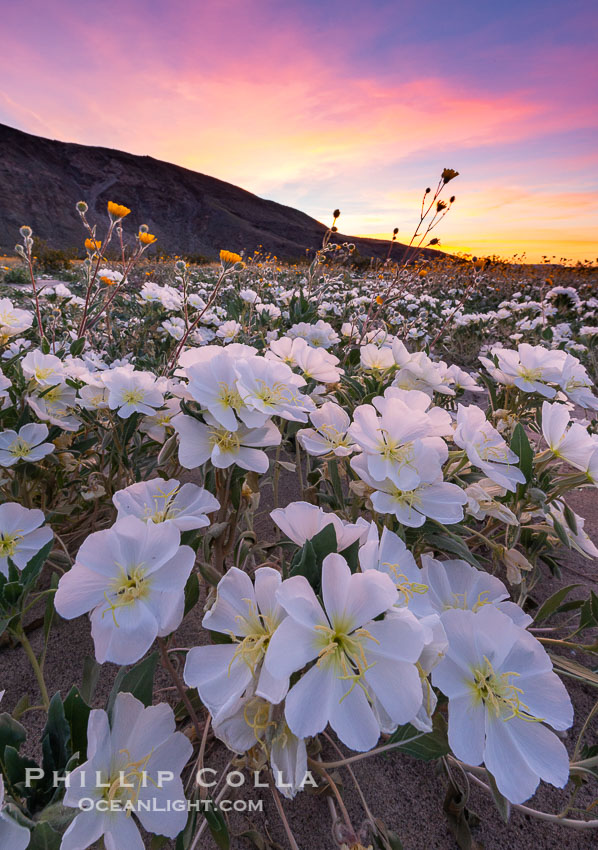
x,y
25,231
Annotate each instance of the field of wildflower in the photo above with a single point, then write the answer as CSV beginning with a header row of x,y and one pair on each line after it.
x,y
306,515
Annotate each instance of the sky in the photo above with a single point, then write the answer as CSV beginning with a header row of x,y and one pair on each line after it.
x,y
321,104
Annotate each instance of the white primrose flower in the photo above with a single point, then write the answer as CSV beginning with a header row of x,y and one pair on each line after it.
x,y
130,391
20,535
577,384
315,363
252,721
156,426
357,658
28,444
501,690
439,422
199,442
462,380
532,367
438,500
329,434
570,443
13,321
229,330
421,373
131,577
184,505
374,359
136,763
94,395
13,835
5,385
457,584
485,448
271,389
223,673
55,404
578,539
301,521
397,445
45,369
390,555
482,501
213,385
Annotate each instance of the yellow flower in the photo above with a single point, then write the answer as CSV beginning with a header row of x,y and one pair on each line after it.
x,y
93,244
108,281
146,238
379,299
117,210
227,257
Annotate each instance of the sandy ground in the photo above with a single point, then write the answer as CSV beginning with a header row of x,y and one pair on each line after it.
x,y
406,794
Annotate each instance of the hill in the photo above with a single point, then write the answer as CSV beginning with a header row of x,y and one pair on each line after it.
x,y
41,180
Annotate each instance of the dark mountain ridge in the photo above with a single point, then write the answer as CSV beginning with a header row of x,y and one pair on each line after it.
x,y
41,180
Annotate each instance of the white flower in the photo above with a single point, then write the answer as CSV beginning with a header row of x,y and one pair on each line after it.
x,y
438,500
396,445
374,359
316,363
576,382
229,330
482,502
501,689
213,385
20,535
578,539
223,672
93,396
132,578
55,405
331,423
138,761
571,443
249,295
131,392
390,555
28,444
13,321
457,584
13,836
354,655
186,506
485,448
301,521
199,443
156,426
532,367
45,369
462,380
269,388
251,720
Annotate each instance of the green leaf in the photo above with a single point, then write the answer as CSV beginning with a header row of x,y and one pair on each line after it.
x,y
522,448
12,734
138,681
191,592
430,746
43,837
77,713
553,602
91,674
56,737
34,567
502,804
217,826
454,545
77,346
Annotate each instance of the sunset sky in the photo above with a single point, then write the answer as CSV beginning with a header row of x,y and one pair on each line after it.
x,y
336,103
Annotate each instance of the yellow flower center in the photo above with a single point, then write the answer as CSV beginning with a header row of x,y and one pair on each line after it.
x,y
227,441
499,694
133,396
345,651
9,543
20,448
